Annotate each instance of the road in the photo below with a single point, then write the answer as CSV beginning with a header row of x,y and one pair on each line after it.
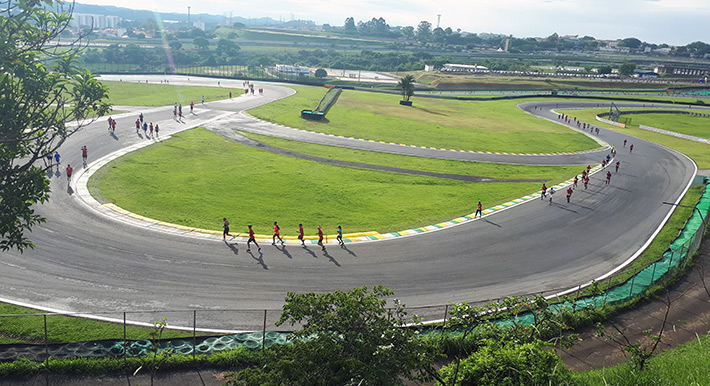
x,y
85,262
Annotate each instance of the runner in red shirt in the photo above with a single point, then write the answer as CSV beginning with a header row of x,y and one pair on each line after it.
x,y
569,193
277,233
586,182
479,210
300,234
84,154
252,240
608,177
138,125
543,192
588,168
70,170
320,237
631,148
617,166
575,181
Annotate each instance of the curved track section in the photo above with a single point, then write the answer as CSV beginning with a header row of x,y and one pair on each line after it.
x,y
85,262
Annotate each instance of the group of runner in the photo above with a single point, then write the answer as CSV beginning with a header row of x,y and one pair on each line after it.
x,y
277,235
148,129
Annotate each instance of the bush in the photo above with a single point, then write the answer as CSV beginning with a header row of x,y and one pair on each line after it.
x,y
500,363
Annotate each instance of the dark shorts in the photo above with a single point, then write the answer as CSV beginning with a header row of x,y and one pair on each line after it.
x,y
300,237
251,240
225,231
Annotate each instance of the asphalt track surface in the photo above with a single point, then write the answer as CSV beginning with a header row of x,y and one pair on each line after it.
x,y
87,263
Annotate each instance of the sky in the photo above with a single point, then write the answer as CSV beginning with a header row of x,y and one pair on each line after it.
x,y
675,22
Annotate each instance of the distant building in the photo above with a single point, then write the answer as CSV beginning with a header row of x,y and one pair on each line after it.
x,y
645,75
451,67
681,69
287,69
80,20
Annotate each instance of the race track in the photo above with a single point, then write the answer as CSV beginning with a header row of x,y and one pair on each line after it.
x,y
86,262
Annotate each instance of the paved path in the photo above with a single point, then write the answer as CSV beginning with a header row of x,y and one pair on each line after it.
x,y
86,262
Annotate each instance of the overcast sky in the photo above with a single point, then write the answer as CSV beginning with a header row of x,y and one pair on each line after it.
x,y
676,22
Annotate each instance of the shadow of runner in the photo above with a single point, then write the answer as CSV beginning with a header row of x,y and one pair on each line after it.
x,y
284,251
259,259
325,253
305,248
233,247
490,222
347,250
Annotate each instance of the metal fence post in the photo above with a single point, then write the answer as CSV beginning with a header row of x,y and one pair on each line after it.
x,y
653,273
263,333
608,286
446,313
124,326
632,285
46,340
194,332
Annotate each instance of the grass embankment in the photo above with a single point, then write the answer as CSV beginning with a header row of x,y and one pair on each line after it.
x,y
65,329
151,94
479,169
198,177
484,82
497,126
699,152
679,123
687,364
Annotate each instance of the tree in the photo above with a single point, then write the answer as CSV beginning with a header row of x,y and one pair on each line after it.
x,y
349,25
603,70
408,32
423,33
175,45
627,69
227,47
347,338
321,73
201,43
630,42
406,84
41,89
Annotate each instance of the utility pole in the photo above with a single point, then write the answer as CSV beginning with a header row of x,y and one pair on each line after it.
x,y
438,20
188,17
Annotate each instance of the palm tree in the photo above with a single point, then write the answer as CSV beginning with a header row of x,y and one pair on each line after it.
x,y
407,86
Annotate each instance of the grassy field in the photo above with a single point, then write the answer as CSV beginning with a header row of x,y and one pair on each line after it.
x,y
688,364
480,169
197,178
461,125
699,152
63,329
151,94
679,123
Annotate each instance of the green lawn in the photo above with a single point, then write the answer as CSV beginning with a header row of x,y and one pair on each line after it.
x,y
688,364
198,177
680,123
480,169
699,152
151,94
441,123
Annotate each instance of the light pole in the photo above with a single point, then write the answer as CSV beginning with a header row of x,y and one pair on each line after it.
x,y
687,206
188,17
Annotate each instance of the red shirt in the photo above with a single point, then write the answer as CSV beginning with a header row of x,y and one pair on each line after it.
x,y
84,151
69,171
251,233
276,229
479,206
320,232
300,231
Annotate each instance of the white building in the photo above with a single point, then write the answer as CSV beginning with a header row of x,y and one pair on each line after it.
x,y
80,20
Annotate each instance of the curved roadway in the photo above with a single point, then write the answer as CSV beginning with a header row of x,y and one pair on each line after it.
x,y
85,262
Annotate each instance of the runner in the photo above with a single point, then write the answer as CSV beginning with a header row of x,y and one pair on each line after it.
x,y
300,234
252,240
320,237
586,182
479,210
225,232
569,193
230,95
145,129
175,113
631,148
624,143
340,236
552,191
113,125
151,129
603,163
56,159
138,125
48,160
110,122
617,166
70,170
192,107
575,181
608,177
543,192
277,233
157,130
141,117
203,99
84,154
588,168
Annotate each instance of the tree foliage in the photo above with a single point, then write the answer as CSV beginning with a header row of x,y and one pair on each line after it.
x,y
41,89
347,338
406,85
627,69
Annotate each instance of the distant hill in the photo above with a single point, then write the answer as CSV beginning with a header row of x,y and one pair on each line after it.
x,y
140,15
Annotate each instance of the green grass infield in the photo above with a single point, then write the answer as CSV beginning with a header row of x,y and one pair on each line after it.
x,y
198,177
152,94
497,126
